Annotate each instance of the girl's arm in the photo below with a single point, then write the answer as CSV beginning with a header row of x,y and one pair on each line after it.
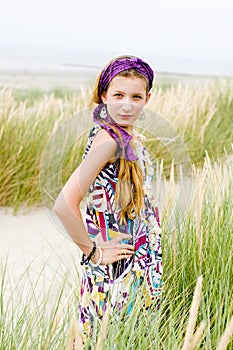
x,y
67,204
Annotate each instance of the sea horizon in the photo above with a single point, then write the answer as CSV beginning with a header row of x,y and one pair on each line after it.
x,y
64,60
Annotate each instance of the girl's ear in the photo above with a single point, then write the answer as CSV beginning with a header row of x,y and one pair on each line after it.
x,y
103,97
148,97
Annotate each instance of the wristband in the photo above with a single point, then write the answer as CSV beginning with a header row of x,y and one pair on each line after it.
x,y
100,258
88,258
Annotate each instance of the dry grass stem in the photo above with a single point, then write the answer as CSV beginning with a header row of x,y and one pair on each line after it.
x,y
103,329
198,336
226,337
174,246
193,315
200,202
57,319
75,339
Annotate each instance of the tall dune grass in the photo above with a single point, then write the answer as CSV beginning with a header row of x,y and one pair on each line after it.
x,y
197,236
201,114
25,127
195,313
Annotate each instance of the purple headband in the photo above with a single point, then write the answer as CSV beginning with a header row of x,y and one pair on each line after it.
x,y
122,64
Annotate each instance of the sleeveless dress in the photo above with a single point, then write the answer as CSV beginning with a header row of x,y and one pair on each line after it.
x,y
118,283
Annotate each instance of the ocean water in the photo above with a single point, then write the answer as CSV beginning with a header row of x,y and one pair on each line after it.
x,y
26,59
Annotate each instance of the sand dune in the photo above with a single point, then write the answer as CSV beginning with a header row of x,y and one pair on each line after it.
x,y
34,250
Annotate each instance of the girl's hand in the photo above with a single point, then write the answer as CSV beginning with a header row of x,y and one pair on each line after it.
x,y
114,250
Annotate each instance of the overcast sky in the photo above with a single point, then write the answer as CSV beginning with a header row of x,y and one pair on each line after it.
x,y
183,28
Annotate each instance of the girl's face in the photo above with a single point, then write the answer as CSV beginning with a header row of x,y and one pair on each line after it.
x,y
125,99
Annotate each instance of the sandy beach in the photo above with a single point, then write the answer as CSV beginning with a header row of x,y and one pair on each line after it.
x,y
36,254
73,79
46,80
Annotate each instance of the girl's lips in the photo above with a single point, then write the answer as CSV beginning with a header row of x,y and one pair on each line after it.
x,y
125,116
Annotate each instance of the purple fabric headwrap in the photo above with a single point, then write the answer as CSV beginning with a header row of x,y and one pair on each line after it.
x,y
121,65
99,115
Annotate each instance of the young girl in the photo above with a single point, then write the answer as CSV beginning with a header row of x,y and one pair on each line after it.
x,y
120,239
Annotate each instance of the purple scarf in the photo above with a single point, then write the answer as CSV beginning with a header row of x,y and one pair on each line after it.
x,y
100,114
120,65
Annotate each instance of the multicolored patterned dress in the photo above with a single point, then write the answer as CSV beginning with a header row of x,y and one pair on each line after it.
x,y
117,283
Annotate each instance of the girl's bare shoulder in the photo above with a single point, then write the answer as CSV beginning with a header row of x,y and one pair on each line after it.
x,y
101,137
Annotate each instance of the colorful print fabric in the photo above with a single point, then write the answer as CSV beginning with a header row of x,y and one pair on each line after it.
x,y
117,283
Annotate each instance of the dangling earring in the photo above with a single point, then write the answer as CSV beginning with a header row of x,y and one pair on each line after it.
x,y
142,115
103,113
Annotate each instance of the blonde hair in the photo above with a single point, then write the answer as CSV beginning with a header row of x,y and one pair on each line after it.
x,y
129,188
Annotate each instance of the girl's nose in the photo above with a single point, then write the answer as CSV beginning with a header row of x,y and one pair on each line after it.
x,y
126,106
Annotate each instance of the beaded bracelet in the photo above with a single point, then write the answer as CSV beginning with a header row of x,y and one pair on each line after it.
x,y
100,258
88,258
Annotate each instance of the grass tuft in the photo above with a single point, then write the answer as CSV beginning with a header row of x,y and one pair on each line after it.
x,y
196,216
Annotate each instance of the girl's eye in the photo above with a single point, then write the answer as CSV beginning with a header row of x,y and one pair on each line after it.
x,y
137,97
117,95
